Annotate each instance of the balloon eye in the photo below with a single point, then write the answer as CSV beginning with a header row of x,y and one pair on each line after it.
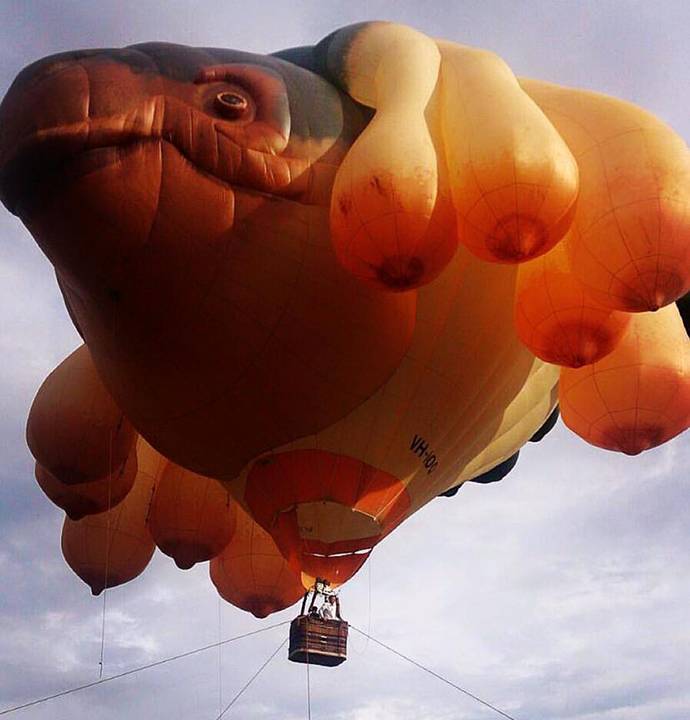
x,y
231,104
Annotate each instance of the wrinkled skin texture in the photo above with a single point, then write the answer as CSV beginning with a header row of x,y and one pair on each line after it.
x,y
195,238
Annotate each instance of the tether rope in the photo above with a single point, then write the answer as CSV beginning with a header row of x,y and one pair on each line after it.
x,y
108,540
308,690
220,658
252,678
104,680
435,674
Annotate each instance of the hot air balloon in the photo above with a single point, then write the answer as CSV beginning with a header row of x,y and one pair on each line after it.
x,y
250,572
254,214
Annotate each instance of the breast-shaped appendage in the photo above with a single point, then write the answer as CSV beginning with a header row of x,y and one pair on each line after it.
x,y
75,430
251,573
638,396
513,180
556,318
191,517
385,190
255,102
89,498
114,547
631,230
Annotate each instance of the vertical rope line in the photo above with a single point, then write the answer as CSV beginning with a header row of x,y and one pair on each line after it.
x,y
220,661
308,690
107,550
368,610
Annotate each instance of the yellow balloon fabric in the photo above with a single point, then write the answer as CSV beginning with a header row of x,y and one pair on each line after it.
x,y
383,222
514,182
466,396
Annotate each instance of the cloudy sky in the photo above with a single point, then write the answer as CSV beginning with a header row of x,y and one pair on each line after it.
x,y
561,593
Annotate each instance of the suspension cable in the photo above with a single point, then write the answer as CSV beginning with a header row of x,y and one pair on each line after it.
x,y
79,688
435,674
252,678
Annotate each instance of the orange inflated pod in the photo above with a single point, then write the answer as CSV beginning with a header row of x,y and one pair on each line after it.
x,y
114,547
192,517
250,572
89,498
638,396
75,430
513,180
631,231
385,225
556,318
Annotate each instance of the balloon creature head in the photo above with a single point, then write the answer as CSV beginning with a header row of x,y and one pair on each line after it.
x,y
325,286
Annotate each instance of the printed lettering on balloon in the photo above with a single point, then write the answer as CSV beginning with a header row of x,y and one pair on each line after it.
x,y
420,447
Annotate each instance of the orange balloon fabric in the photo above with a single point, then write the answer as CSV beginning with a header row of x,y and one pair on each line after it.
x,y
638,396
114,547
192,517
555,317
252,574
75,430
92,497
325,511
631,229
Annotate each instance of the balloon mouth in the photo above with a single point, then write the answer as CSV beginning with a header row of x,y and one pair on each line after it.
x,y
46,162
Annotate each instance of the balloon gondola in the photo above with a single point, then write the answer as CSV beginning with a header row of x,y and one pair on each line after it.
x,y
318,635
